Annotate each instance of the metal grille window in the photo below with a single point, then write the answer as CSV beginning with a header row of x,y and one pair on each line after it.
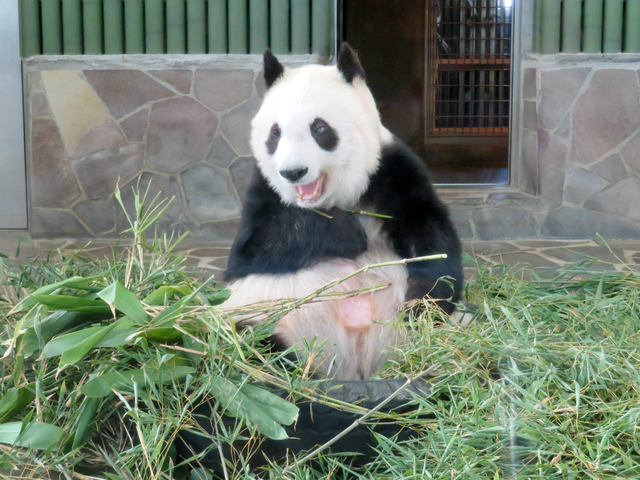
x,y
469,59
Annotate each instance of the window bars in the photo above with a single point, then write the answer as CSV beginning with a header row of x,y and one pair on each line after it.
x,y
468,60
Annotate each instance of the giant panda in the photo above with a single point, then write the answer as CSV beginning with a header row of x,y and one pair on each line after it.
x,y
321,155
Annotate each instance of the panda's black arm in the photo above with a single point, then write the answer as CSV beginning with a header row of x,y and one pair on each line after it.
x,y
277,238
420,226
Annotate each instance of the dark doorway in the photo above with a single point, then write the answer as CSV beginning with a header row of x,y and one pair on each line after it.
x,y
440,73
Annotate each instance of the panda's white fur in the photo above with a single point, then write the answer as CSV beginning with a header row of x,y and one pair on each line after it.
x,y
358,341
293,102
355,331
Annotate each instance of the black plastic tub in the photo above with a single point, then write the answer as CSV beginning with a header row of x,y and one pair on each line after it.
x,y
316,425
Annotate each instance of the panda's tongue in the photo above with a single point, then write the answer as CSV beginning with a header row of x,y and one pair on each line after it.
x,y
311,190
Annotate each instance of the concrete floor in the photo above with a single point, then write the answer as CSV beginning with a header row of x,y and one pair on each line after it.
x,y
614,255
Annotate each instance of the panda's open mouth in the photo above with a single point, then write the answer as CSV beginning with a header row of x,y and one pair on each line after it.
x,y
311,192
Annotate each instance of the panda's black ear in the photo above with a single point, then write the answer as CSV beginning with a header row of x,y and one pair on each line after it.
x,y
348,63
273,69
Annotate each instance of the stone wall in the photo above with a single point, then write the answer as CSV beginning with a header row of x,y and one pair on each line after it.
x,y
181,124
581,121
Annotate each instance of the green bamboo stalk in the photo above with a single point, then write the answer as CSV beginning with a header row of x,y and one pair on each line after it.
x,y
613,10
92,26
571,28
153,26
258,25
280,26
592,34
550,26
51,28
237,26
176,24
321,27
71,27
537,27
300,16
632,30
196,33
133,27
217,26
113,31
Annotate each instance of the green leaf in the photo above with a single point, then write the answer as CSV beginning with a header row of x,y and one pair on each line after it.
x,y
115,337
86,422
73,304
271,404
125,301
78,351
262,413
220,297
73,282
55,323
158,296
39,436
101,386
14,401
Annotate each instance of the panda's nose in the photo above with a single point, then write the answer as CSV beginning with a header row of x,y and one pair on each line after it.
x,y
294,174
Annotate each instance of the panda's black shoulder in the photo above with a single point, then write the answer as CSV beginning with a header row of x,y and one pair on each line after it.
x,y
401,186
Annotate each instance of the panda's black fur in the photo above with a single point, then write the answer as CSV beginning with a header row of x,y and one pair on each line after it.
x,y
278,239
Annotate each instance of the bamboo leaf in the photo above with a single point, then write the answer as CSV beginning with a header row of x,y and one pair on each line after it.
x,y
271,404
39,436
73,304
73,282
157,297
78,351
14,401
86,422
125,301
115,337
101,386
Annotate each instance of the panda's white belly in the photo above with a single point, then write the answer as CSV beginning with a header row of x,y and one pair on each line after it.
x,y
354,330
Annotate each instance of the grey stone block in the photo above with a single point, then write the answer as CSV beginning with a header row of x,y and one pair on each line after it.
x,y
580,184
241,172
460,218
221,153
221,90
568,222
260,84
529,167
124,91
100,172
178,79
611,168
236,125
220,233
552,156
631,153
621,199
98,215
135,125
530,115
39,105
180,133
529,87
53,183
503,223
606,114
557,90
210,193
48,223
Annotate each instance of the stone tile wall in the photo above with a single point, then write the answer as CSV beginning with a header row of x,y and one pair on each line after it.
x,y
581,120
181,125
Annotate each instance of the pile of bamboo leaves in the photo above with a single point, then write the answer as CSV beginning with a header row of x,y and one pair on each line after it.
x,y
103,362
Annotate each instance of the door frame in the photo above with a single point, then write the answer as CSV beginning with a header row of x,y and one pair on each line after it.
x,y
13,181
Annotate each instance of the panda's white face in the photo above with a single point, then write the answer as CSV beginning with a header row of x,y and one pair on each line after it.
x,y
317,138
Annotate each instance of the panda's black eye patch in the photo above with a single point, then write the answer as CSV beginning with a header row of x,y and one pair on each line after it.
x,y
325,136
274,139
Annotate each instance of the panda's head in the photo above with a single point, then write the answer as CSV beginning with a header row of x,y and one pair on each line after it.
x,y
317,136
